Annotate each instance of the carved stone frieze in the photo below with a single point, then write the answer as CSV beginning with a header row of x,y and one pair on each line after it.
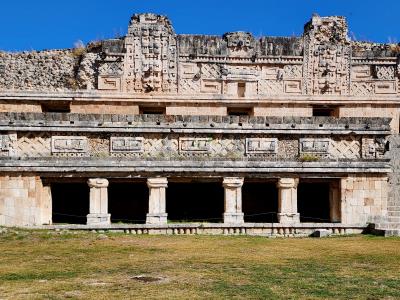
x,y
261,145
194,145
385,72
374,148
314,145
7,144
126,144
327,54
69,144
240,43
150,63
292,71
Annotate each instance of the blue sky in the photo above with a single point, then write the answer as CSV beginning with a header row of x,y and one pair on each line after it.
x,y
54,24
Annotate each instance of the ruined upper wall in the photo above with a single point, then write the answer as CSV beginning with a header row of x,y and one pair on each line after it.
x,y
151,58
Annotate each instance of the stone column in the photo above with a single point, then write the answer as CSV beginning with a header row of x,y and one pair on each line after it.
x,y
157,204
287,206
334,202
98,209
233,200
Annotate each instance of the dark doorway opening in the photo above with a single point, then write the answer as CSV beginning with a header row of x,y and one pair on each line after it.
x,y
313,202
128,202
195,202
260,202
70,202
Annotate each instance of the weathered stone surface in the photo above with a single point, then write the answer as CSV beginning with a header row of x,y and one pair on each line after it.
x,y
156,105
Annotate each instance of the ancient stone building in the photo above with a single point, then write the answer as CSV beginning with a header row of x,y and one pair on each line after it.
x,y
163,133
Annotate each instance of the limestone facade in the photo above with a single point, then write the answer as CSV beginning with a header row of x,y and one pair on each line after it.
x,y
156,105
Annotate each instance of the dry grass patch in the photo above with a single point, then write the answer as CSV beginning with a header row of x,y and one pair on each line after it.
x,y
37,265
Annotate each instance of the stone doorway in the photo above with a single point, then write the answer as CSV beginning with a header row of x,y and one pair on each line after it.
x,y
318,201
70,202
128,202
195,201
260,201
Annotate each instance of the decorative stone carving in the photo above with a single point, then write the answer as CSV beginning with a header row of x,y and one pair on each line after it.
x,y
241,73
109,83
261,145
126,144
194,145
292,71
385,72
240,43
151,55
361,72
362,88
69,144
327,54
385,88
374,148
292,86
314,145
346,148
6,144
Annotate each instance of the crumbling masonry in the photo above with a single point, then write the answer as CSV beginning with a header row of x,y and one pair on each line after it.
x,y
163,133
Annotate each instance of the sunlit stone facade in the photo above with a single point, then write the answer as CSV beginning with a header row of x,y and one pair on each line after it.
x,y
163,133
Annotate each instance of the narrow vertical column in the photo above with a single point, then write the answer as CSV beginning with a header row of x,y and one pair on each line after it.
x,y
98,209
233,200
287,206
157,204
334,202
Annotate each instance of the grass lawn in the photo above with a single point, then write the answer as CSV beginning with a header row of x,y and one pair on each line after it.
x,y
38,265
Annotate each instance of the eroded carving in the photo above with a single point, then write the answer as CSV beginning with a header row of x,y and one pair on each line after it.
x,y
314,145
261,145
126,144
69,144
194,144
326,56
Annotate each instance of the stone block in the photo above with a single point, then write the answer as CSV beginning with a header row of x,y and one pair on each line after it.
x,y
321,233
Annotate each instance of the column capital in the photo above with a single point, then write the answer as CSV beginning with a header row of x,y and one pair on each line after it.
x,y
287,183
233,182
97,182
157,182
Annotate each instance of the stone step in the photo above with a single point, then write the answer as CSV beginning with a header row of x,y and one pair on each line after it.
x,y
387,226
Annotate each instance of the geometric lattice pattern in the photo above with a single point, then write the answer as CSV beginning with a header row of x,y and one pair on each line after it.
x,y
37,145
189,86
362,88
270,87
211,71
292,71
349,148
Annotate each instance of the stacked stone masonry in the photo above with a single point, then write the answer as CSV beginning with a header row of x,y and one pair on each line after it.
x,y
159,106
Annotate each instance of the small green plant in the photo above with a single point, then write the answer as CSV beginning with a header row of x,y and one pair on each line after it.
x,y
308,158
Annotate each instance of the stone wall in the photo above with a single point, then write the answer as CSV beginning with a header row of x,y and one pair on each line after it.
x,y
24,201
364,199
152,59
394,181
38,70
112,107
